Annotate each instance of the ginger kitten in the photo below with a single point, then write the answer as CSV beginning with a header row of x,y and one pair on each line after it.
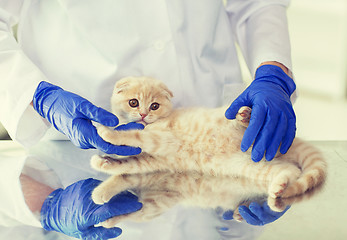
x,y
199,140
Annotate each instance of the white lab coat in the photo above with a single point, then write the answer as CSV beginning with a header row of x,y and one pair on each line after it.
x,y
85,46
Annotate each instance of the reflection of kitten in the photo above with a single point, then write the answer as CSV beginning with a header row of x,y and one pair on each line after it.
x,y
160,191
197,139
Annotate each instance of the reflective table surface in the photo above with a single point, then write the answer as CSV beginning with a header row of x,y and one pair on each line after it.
x,y
325,215
317,215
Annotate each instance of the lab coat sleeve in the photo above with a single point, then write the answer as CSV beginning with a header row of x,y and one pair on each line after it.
x,y
261,30
13,209
19,78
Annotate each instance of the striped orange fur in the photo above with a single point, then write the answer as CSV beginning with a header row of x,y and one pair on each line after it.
x,y
197,140
160,191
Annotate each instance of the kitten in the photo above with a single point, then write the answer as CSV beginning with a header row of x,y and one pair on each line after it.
x,y
196,140
160,191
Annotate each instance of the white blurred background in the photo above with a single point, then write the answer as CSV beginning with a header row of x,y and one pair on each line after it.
x,y
318,30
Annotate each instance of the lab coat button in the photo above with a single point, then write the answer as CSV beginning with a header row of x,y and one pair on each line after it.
x,y
159,45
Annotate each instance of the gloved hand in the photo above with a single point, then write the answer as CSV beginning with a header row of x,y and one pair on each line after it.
x,y
73,115
273,120
256,214
73,212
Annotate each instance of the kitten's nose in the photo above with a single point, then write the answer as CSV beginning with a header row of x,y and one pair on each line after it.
x,y
143,115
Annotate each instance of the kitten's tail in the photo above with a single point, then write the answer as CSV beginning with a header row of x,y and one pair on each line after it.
x,y
313,167
152,142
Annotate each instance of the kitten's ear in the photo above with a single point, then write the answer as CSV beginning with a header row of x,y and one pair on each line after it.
x,y
167,92
121,85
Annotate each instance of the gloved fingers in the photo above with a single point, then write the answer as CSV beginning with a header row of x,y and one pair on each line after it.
x,y
122,203
290,135
228,215
85,136
249,216
124,150
130,126
96,233
268,216
255,214
231,112
261,211
97,142
97,114
256,123
264,213
102,145
277,138
265,135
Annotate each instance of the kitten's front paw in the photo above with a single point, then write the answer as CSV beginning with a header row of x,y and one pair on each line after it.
x,y
111,223
243,116
103,131
101,195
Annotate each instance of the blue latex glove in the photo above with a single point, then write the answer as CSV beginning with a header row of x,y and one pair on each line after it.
x,y
256,214
273,122
130,126
72,115
73,212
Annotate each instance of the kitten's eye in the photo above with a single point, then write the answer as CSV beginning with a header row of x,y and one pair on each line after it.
x,y
133,103
154,106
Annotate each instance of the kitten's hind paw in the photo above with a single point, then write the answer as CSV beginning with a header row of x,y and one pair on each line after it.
x,y
280,183
243,116
277,204
98,162
276,190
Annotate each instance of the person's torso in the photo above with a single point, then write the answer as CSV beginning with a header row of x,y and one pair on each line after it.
x,y
86,46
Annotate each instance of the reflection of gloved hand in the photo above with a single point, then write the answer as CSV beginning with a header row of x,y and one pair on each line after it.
x,y
256,214
73,212
72,115
272,120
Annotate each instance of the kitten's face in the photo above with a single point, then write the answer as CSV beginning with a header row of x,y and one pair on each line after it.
x,y
141,99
